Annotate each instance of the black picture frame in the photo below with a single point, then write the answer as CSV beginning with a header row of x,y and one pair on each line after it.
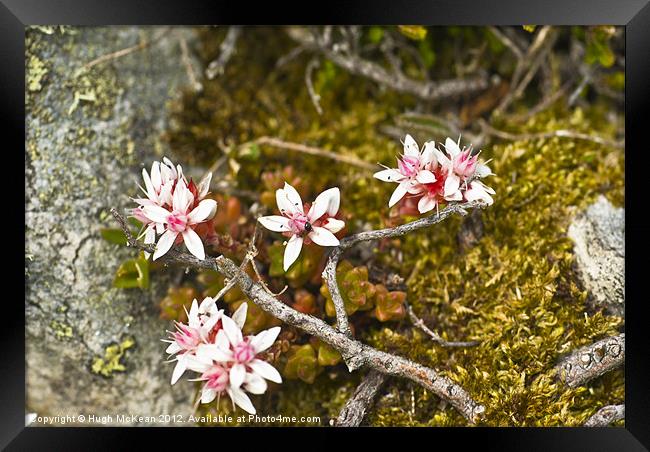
x,y
633,14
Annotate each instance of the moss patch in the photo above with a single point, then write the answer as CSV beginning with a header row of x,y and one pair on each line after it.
x,y
113,359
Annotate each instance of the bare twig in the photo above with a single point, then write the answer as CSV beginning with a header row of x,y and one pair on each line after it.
x,y
528,60
354,353
354,64
606,415
313,95
310,150
329,275
542,105
553,134
592,361
226,50
357,406
187,62
123,52
509,43
418,322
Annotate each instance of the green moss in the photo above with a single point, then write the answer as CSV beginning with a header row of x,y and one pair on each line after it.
x,y
113,359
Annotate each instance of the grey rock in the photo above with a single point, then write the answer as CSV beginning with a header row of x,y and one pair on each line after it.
x,y
83,157
599,245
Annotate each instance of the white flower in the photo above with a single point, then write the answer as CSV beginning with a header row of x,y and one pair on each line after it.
x,y
180,220
412,170
317,225
230,364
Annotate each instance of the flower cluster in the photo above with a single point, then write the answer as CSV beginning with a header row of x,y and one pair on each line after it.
x,y
212,344
303,223
173,208
434,177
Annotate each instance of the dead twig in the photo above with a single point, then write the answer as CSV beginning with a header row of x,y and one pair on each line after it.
x,y
592,361
123,52
353,63
562,133
187,62
359,404
315,97
419,323
606,415
226,51
310,150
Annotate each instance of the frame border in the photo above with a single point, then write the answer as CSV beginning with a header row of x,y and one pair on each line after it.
x,y
633,14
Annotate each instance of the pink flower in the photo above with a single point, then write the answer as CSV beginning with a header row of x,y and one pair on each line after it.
x,y
230,364
318,225
453,173
178,219
203,322
159,189
412,170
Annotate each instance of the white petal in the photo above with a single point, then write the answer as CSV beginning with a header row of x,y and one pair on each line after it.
x,y
164,243
428,154
202,211
389,175
165,196
173,348
170,165
455,196
156,213
212,352
334,225
275,223
204,185
151,192
483,170
290,199
198,364
265,339
193,315
255,384
237,375
233,333
425,177
182,198
193,243
239,316
264,369
411,148
149,238
179,369
222,340
156,180
323,237
240,399
451,184
327,202
292,251
426,204
398,194
452,147
441,158
208,395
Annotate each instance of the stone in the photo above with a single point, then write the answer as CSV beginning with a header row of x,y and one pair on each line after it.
x,y
92,348
599,246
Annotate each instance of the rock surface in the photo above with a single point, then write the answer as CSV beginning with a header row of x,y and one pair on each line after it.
x,y
599,245
88,133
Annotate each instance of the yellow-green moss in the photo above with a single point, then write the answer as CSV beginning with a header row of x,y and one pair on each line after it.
x,y
113,359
